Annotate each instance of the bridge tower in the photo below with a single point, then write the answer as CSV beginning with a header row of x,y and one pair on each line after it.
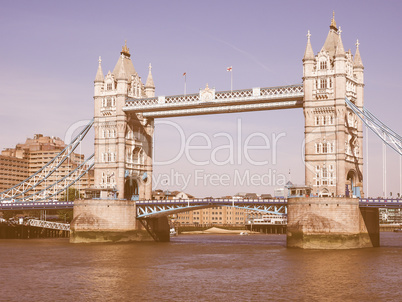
x,y
123,143
333,134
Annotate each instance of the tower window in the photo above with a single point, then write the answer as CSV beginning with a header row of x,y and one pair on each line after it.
x,y
109,86
317,120
323,65
323,83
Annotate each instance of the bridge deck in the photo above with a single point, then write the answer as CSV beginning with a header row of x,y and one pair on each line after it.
x,y
364,202
210,102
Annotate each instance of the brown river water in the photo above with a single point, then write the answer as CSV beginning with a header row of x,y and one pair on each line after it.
x,y
198,268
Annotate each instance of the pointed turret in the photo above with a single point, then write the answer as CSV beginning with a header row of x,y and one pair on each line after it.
x,y
126,61
121,74
340,50
309,53
99,74
149,85
358,60
150,80
332,38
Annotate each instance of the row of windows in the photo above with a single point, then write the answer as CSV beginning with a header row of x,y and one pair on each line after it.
x,y
109,102
108,133
330,167
324,120
323,83
108,157
108,178
323,148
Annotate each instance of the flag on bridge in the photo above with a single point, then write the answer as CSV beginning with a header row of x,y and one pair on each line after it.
x,y
185,82
230,69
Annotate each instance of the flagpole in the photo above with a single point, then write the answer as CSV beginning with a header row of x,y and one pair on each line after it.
x,y
185,83
231,79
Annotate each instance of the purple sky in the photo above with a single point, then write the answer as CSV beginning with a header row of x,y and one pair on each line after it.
x,y
49,56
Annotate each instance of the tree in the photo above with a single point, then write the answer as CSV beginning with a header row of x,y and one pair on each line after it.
x,y
65,215
72,194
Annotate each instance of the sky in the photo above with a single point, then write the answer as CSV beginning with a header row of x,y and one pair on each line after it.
x,y
49,57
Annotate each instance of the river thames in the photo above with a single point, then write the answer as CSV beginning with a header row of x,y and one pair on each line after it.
x,y
199,268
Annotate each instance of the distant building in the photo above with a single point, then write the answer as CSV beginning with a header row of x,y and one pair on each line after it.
x,y
216,215
391,216
17,164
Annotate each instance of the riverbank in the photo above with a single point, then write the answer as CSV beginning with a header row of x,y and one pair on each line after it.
x,y
215,230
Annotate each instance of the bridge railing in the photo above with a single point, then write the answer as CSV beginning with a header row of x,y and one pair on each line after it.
x,y
48,224
223,96
209,201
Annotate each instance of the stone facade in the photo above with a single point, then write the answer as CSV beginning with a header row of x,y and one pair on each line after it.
x,y
123,143
333,134
331,223
106,220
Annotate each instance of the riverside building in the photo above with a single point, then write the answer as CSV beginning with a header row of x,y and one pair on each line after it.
x,y
18,163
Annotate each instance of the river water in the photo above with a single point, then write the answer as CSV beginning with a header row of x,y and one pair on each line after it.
x,y
198,268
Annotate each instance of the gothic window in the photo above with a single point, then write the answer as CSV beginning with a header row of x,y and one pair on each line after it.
x,y
109,86
328,120
317,168
323,120
109,157
109,102
317,148
320,148
323,65
331,120
325,148
331,167
323,83
137,155
324,173
330,82
317,120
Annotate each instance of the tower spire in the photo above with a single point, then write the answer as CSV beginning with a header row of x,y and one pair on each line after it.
x,y
358,60
99,74
340,50
125,50
149,85
122,72
150,80
333,23
309,53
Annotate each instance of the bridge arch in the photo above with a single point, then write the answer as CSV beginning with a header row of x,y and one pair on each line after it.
x,y
131,191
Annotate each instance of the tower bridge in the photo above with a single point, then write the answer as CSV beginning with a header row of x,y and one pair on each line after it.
x,y
332,101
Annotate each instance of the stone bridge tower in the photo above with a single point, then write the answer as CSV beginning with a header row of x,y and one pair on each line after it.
x,y
333,134
123,143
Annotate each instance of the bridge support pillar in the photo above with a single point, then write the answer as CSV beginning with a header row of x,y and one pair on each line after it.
x,y
331,223
158,228
106,220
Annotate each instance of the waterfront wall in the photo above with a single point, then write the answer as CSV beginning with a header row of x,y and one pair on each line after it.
x,y
331,223
106,220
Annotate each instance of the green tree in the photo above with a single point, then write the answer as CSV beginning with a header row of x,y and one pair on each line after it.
x,y
72,194
65,215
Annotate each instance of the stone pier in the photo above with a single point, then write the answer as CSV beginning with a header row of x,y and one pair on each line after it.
x,y
106,220
331,223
